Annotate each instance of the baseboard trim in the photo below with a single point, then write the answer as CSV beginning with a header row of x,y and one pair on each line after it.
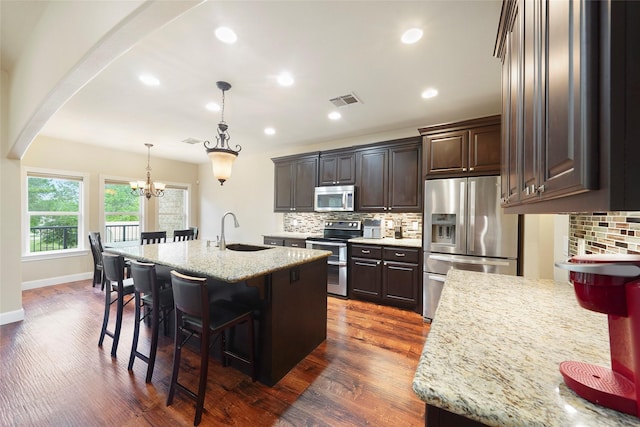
x,y
51,281
11,317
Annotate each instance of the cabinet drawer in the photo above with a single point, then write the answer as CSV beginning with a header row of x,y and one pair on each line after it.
x,y
401,254
362,251
295,243
273,241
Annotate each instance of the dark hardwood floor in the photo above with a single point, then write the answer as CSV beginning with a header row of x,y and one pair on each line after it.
x,y
52,372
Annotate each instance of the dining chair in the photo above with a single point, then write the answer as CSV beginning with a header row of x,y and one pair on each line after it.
x,y
150,237
153,302
114,271
196,316
96,250
182,235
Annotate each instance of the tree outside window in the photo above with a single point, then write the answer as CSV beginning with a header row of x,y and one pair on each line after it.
x,y
54,212
122,213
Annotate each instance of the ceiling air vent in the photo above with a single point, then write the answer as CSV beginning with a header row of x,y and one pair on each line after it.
x,y
191,141
341,101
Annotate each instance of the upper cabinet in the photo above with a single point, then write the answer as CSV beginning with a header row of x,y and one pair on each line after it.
x,y
569,128
464,148
295,180
389,177
337,167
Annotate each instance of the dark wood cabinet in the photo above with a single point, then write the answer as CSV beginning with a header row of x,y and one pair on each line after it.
x,y
273,241
337,168
464,148
389,177
281,241
385,275
567,121
295,180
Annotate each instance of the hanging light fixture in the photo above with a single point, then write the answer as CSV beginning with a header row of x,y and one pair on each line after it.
x,y
148,188
221,155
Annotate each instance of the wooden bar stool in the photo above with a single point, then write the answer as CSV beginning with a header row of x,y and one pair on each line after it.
x,y
154,302
114,271
196,316
150,237
182,235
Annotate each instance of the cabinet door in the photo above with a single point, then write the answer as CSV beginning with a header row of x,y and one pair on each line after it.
x,y
346,174
328,170
295,243
283,199
568,149
372,180
484,150
306,176
446,153
405,179
513,143
365,278
400,283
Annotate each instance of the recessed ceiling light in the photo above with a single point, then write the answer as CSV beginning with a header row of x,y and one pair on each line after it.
x,y
285,79
334,115
429,93
226,35
212,106
269,131
149,80
411,36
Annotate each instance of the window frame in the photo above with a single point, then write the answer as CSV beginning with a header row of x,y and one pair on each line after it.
x,y
83,212
110,179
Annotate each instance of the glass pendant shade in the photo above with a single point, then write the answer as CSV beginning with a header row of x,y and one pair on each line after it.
x,y
222,162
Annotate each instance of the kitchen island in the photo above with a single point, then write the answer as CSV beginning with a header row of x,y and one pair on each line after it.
x,y
493,352
287,287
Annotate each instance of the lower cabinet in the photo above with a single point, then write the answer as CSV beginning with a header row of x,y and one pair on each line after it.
x,y
385,275
280,241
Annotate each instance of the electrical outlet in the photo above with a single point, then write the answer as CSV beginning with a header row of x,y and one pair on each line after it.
x,y
581,247
415,225
389,224
295,222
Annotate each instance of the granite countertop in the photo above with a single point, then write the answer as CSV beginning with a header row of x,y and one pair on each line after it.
x,y
197,258
388,241
494,349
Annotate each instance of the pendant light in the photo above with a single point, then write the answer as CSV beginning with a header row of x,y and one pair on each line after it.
x,y
147,188
221,155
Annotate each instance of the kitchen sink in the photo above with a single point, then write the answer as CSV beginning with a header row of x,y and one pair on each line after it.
x,y
246,248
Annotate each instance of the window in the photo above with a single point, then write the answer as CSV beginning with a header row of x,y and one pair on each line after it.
x,y
55,211
122,213
173,212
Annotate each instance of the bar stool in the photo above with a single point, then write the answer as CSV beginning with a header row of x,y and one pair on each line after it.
x,y
182,235
149,237
156,303
196,316
96,251
114,268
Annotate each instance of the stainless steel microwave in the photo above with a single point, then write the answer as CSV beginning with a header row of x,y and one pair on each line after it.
x,y
334,199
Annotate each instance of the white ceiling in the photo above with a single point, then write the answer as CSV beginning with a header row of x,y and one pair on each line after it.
x,y
332,48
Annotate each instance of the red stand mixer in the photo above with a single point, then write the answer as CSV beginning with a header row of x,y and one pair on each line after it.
x,y
609,284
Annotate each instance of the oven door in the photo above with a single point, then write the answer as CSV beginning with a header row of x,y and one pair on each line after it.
x,y
338,249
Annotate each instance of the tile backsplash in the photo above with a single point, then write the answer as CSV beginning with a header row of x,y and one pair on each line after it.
x,y
604,232
313,222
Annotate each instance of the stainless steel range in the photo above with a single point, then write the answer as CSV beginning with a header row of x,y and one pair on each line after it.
x,y
334,239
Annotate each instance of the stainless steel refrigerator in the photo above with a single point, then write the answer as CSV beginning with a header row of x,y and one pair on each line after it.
x,y
465,229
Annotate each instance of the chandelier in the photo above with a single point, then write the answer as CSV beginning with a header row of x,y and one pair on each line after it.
x,y
148,188
221,155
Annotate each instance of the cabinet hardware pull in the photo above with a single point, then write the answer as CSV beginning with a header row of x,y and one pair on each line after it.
x,y
541,189
400,255
464,169
365,251
295,245
471,169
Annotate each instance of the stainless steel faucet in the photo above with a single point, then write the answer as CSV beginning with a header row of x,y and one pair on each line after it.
x,y
223,244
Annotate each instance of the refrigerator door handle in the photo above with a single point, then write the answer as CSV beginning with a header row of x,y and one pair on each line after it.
x,y
469,261
437,278
471,235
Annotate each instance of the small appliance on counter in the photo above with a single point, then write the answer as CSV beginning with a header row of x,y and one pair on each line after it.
x,y
372,229
397,230
609,284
